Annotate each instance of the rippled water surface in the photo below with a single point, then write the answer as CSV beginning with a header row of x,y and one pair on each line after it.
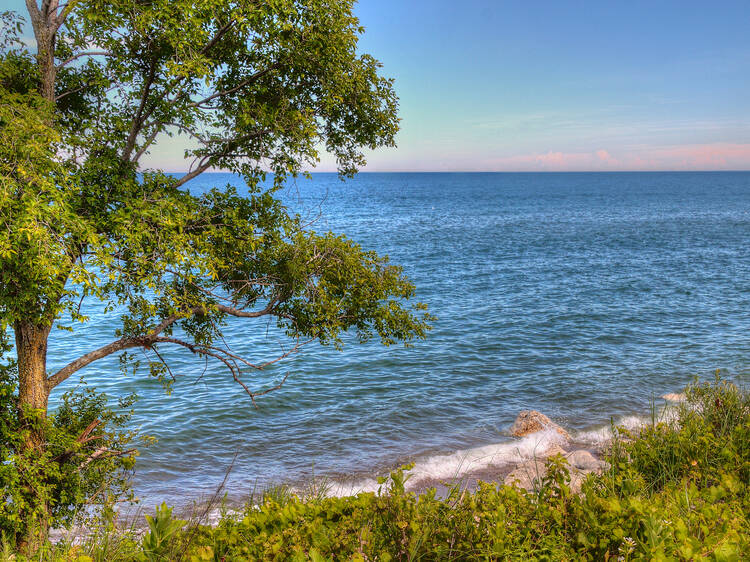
x,y
580,295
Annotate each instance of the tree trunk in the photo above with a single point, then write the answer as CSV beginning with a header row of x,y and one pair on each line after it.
x,y
45,26
31,347
33,395
31,338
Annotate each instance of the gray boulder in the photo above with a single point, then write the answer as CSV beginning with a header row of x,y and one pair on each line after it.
x,y
529,475
583,460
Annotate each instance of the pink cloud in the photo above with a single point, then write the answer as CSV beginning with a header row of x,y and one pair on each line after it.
x,y
720,156
605,156
553,161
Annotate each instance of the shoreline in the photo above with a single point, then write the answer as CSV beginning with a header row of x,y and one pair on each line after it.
x,y
491,463
655,474
523,457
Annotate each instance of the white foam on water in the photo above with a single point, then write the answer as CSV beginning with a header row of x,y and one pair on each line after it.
x,y
454,466
460,463
600,435
451,466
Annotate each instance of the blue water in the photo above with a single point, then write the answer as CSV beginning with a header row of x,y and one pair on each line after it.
x,y
580,295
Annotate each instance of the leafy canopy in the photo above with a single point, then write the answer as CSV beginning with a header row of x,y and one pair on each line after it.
x,y
255,87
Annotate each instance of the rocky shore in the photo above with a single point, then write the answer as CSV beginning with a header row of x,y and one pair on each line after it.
x,y
524,463
530,473
527,469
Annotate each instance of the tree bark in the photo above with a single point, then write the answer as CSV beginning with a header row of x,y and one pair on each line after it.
x,y
31,347
45,23
31,338
33,396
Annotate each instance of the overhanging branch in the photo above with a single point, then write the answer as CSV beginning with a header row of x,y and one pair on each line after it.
x,y
148,340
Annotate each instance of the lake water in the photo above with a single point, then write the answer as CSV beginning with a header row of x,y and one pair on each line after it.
x,y
583,296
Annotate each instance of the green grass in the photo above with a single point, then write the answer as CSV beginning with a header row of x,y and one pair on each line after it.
x,y
677,489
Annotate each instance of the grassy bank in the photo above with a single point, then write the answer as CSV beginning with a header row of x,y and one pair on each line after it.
x,y
676,490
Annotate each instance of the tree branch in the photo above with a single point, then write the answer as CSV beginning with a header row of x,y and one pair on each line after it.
x,y
205,164
140,118
157,129
148,339
219,34
81,362
119,345
249,80
103,453
208,160
82,439
230,360
239,313
83,54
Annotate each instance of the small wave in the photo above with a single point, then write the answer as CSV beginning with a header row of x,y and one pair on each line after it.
x,y
462,463
602,434
455,465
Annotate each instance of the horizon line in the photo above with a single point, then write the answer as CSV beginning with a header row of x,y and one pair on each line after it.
x,y
501,172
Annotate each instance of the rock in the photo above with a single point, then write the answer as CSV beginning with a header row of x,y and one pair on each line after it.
x,y
583,460
531,421
553,450
576,479
528,475
672,397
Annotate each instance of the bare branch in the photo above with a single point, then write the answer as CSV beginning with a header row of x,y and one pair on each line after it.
x,y
208,160
64,13
81,362
158,128
83,54
140,118
245,313
148,339
219,34
230,360
69,92
104,351
254,395
205,164
36,16
103,453
83,438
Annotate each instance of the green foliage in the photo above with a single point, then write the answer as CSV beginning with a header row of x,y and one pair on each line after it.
x,y
269,83
162,527
83,471
698,512
253,88
635,511
705,435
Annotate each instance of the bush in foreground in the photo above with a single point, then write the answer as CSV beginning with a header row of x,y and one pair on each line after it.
x,y
83,471
676,490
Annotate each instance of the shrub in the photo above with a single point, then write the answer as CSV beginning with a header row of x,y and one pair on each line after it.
x,y
677,490
84,467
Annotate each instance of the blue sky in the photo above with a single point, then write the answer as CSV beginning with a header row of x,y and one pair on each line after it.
x,y
514,86
565,85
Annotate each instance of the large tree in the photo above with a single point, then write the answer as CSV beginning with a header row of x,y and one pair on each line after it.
x,y
254,87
